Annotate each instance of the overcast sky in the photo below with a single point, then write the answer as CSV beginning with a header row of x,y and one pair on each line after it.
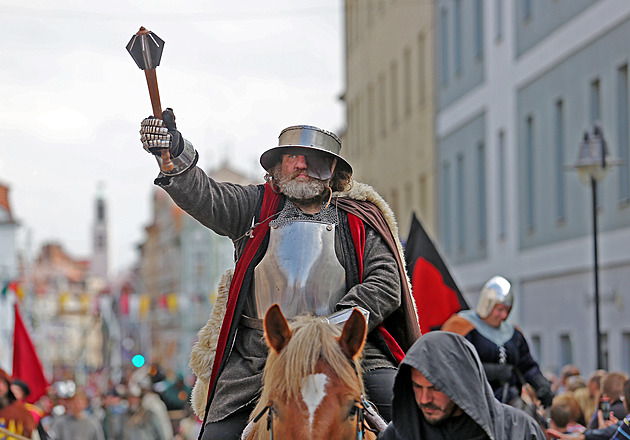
x,y
72,98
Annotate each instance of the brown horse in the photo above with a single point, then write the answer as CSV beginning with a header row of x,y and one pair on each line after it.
x,y
312,384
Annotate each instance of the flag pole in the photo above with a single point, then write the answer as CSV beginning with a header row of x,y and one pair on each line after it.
x,y
12,434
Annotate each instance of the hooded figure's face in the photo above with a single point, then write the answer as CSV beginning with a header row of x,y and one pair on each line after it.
x,y
435,405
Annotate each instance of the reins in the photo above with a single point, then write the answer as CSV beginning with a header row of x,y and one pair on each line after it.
x,y
358,409
270,410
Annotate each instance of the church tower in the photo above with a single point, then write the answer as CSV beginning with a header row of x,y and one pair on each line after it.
x,y
99,267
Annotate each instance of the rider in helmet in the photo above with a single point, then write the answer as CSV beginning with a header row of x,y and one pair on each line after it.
x,y
501,346
310,240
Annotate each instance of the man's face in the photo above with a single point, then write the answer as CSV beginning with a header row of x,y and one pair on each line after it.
x,y
4,388
17,391
312,163
498,314
295,165
77,404
134,402
293,179
435,405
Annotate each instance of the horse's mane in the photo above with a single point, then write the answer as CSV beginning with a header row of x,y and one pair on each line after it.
x,y
313,340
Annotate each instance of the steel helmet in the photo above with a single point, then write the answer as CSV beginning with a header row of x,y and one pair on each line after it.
x,y
306,138
497,290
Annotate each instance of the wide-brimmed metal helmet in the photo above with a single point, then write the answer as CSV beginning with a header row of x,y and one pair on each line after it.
x,y
497,290
305,139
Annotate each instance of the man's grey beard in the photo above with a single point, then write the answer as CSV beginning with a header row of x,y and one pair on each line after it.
x,y
310,190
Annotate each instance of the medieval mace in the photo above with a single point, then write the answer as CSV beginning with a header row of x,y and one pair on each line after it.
x,y
146,50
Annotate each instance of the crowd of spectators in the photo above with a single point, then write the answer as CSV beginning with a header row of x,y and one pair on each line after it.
x,y
592,408
148,405
145,405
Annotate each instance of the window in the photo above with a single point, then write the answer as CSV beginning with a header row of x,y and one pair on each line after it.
x,y
559,153
502,183
349,23
351,116
381,105
421,70
358,115
536,349
527,9
529,170
407,96
458,37
424,195
605,351
481,205
100,210
623,139
479,28
394,92
625,351
595,109
371,115
100,242
566,350
395,201
448,215
444,44
498,9
460,215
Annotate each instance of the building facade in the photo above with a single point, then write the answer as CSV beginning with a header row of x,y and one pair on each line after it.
x,y
67,327
181,265
390,105
8,272
509,89
8,230
517,84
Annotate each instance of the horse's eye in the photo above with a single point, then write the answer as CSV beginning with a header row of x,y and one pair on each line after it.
x,y
354,409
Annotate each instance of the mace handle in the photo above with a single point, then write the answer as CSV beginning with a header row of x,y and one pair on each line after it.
x,y
154,94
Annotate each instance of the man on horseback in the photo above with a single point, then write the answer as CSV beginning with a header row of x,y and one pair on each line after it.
x,y
310,240
441,392
501,346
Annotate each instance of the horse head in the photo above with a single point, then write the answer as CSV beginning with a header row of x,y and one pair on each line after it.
x,y
312,382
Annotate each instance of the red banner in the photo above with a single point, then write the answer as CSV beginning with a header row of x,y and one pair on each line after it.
x,y
26,363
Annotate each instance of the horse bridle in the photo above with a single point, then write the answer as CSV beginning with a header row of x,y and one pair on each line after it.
x,y
357,409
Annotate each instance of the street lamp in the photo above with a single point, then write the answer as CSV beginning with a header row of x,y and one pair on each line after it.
x,y
592,166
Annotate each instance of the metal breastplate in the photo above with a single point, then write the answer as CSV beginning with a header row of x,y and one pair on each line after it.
x,y
300,271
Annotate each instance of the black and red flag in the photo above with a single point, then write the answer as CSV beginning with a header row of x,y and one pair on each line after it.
x,y
434,290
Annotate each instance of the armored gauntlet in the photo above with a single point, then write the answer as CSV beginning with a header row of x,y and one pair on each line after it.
x,y
159,134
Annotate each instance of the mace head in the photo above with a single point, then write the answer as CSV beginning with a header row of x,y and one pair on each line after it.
x,y
146,49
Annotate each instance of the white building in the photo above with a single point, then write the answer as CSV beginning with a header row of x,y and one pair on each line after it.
x,y
8,229
513,85
517,84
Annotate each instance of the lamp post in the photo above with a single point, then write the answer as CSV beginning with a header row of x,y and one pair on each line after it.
x,y
592,166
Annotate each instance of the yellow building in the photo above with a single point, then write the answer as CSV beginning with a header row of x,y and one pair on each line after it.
x,y
389,101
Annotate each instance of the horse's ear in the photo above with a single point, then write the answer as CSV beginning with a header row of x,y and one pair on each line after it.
x,y
277,330
353,334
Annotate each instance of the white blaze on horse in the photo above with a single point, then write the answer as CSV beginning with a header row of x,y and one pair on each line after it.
x,y
312,382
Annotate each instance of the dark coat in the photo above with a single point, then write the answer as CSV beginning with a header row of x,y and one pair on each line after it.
x,y
451,364
525,369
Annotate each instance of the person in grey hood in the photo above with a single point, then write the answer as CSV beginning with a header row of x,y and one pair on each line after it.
x,y
441,392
